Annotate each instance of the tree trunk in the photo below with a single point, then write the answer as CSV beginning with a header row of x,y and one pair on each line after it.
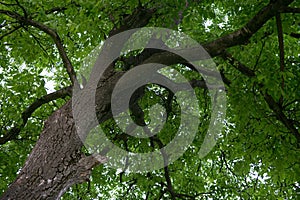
x,y
55,163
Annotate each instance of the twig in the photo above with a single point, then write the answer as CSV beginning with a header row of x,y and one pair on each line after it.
x,y
23,9
259,55
10,32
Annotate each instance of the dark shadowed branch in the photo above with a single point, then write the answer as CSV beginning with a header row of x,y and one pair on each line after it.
x,y
290,10
238,65
281,51
295,35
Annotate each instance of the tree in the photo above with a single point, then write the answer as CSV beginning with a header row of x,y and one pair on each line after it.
x,y
255,45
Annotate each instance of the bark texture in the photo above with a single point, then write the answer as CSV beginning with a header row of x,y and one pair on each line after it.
x,y
55,163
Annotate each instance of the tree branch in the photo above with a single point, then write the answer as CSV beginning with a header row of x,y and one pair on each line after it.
x,y
281,51
273,105
8,4
242,35
290,10
160,144
10,32
259,55
13,132
295,35
53,34
23,9
218,46
61,151
277,109
166,162
238,65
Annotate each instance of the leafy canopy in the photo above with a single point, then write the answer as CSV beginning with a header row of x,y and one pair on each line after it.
x,y
256,155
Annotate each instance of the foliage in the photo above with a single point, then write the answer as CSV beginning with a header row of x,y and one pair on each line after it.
x,y
256,156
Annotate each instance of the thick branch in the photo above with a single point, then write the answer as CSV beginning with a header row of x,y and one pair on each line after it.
x,y
242,35
13,132
139,18
62,93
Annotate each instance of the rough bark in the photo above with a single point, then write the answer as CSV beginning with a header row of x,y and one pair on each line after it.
x,y
55,163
